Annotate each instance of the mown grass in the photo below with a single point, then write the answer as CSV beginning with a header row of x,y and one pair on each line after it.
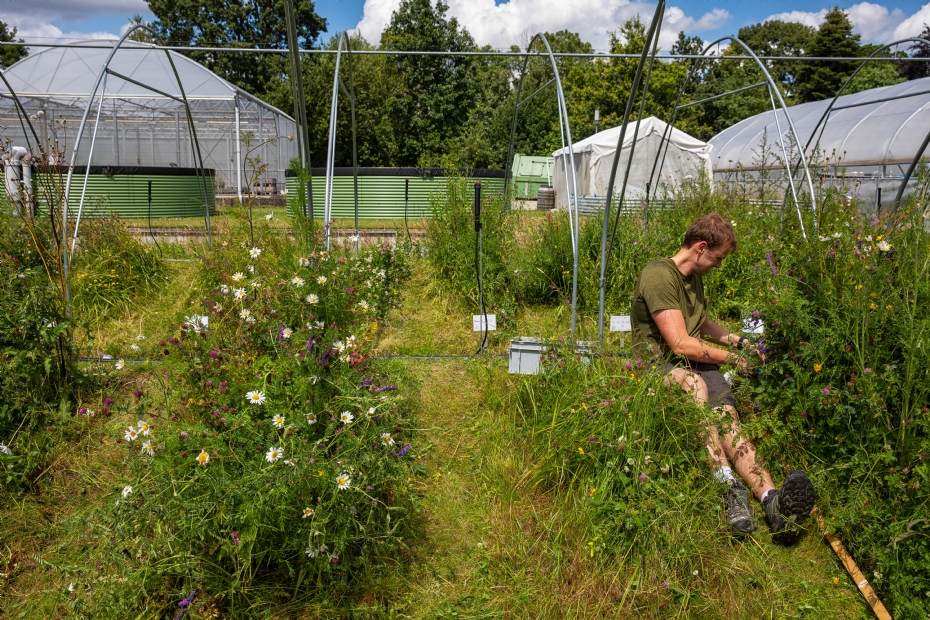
x,y
496,539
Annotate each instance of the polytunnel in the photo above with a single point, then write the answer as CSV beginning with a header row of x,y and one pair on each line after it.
x,y
142,131
866,144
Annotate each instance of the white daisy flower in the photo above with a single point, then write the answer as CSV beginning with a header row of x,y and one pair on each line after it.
x,y
274,454
255,397
143,428
363,305
339,346
255,252
321,280
304,262
148,449
203,458
269,216
140,337
127,491
131,434
308,512
224,289
312,299
346,417
251,268
311,552
239,294
297,281
324,255
245,313
238,277
290,462
134,347
387,439
371,411
278,421
250,319
256,283
319,324
218,307
286,332
120,364
884,246
311,418
343,481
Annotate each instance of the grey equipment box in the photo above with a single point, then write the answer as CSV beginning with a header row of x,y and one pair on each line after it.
x,y
525,355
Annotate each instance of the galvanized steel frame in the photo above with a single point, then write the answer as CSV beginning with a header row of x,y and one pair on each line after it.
x,y
66,256
652,41
824,118
565,134
773,91
331,147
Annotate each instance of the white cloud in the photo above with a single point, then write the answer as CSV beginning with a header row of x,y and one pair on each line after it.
x,y
874,22
514,21
34,20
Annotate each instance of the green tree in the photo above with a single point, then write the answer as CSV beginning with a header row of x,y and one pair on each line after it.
x,y
877,73
437,92
778,38
821,79
916,70
243,23
10,53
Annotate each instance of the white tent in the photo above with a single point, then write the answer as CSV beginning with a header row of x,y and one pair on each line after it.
x,y
594,156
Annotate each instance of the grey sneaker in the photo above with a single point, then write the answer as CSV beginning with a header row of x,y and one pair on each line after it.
x,y
739,510
787,507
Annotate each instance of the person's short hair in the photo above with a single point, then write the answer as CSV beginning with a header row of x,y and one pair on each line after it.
x,y
712,228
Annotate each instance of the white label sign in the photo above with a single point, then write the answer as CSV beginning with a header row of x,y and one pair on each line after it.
x,y
477,322
620,323
752,326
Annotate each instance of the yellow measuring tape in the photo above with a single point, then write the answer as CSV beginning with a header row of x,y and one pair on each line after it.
x,y
858,578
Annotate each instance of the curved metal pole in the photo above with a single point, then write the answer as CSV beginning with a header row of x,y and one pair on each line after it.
x,y
90,156
784,151
80,134
21,112
823,117
784,107
331,147
910,171
354,133
651,42
565,136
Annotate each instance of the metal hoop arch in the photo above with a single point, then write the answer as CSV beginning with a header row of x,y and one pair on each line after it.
x,y
331,147
21,112
774,91
195,147
565,134
824,118
652,41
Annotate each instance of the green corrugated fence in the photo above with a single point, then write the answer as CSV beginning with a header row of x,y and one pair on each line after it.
x,y
381,190
176,192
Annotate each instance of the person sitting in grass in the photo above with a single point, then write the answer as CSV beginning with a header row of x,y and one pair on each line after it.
x,y
670,320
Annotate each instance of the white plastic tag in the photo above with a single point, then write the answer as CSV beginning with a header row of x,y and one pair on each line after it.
x,y
620,323
477,322
752,326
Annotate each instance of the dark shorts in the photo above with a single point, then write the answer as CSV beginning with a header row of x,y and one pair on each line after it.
x,y
718,389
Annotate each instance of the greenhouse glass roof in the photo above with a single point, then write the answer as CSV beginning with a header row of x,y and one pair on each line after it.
x,y
65,77
886,132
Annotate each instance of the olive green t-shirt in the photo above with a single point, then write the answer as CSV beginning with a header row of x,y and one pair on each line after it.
x,y
662,287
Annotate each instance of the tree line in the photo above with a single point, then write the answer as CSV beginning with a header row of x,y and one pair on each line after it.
x,y
438,110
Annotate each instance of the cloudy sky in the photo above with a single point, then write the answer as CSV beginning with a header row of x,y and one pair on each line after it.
x,y
500,23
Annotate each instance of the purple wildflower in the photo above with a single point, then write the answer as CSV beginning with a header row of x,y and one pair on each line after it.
x,y
768,257
385,388
183,435
665,585
867,370
826,391
365,382
755,314
82,411
235,537
209,384
188,600
643,477
628,366
107,402
137,394
402,451
214,353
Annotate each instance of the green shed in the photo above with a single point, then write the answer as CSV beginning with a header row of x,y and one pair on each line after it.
x,y
381,190
530,172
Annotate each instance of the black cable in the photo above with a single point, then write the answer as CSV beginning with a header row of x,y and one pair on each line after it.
x,y
152,232
484,313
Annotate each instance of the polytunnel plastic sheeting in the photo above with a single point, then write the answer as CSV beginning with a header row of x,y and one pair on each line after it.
x,y
139,127
877,140
594,157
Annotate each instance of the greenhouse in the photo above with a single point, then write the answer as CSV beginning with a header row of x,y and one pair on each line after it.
x,y
866,144
142,126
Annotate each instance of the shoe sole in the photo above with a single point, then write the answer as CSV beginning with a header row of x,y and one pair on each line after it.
x,y
796,499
